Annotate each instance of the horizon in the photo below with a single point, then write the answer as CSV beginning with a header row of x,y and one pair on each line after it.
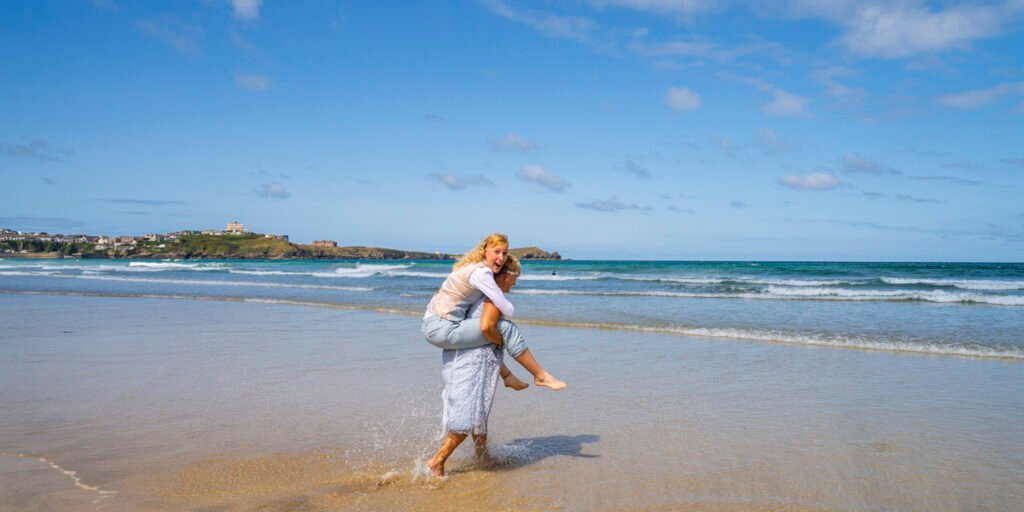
x,y
609,130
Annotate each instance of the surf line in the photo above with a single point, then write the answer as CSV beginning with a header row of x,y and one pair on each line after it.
x,y
73,475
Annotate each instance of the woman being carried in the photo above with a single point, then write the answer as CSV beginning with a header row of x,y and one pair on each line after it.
x,y
472,281
471,363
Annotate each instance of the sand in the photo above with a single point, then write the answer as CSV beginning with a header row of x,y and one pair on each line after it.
x,y
148,404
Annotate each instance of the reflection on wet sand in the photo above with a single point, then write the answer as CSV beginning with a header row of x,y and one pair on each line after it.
x,y
321,480
221,407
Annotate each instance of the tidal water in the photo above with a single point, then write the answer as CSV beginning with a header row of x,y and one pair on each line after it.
x,y
956,309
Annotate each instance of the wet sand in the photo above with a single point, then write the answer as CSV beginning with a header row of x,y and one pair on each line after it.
x,y
146,404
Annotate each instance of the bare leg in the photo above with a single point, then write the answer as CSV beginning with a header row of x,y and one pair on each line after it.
x,y
480,445
540,376
511,381
451,442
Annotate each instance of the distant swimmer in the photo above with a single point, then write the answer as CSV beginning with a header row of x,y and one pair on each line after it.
x,y
553,273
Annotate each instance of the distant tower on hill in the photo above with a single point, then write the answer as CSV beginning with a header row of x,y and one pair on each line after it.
x,y
235,228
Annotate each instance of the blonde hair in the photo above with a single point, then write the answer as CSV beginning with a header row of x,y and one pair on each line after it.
x,y
477,253
511,266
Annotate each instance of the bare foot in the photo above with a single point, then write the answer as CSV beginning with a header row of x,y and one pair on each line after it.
x,y
511,381
549,381
436,468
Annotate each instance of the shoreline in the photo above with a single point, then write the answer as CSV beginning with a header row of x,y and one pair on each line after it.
x,y
721,334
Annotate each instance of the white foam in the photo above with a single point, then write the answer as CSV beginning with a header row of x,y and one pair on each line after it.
x,y
410,273
849,342
555,277
219,283
939,296
782,293
23,273
72,475
170,265
966,284
361,270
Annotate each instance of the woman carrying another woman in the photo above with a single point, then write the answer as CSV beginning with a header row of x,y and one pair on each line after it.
x,y
463,319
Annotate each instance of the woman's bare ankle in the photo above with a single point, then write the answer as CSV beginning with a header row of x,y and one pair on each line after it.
x,y
511,381
549,381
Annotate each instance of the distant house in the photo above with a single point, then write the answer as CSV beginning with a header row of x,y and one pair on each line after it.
x,y
276,237
153,237
235,228
324,243
124,240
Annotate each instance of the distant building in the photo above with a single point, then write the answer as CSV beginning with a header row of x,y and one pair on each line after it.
x,y
276,237
324,243
124,240
235,228
153,237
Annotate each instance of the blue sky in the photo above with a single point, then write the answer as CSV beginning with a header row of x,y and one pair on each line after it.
x,y
621,129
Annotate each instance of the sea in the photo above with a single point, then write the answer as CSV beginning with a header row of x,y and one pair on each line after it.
x,y
938,309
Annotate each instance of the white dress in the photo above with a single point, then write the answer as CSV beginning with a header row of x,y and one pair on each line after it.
x,y
470,377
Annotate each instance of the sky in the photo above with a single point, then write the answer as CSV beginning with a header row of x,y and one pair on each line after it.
x,y
602,129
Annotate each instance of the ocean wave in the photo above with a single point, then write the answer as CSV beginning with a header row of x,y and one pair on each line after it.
x,y
171,265
555,277
206,282
842,341
965,284
361,270
410,273
23,273
919,347
780,293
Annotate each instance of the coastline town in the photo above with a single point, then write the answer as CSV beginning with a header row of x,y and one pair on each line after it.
x,y
232,242
15,243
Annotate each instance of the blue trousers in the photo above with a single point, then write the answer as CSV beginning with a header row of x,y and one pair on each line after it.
x,y
448,334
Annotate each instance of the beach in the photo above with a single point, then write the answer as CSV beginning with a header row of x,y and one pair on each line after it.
x,y
129,403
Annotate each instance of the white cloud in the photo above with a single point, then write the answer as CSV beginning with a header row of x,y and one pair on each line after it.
x,y
454,182
677,209
513,142
612,204
694,49
891,30
681,99
856,164
783,103
181,36
679,7
771,143
843,94
981,97
899,29
815,181
273,190
246,10
636,169
559,27
947,179
252,82
36,148
536,174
